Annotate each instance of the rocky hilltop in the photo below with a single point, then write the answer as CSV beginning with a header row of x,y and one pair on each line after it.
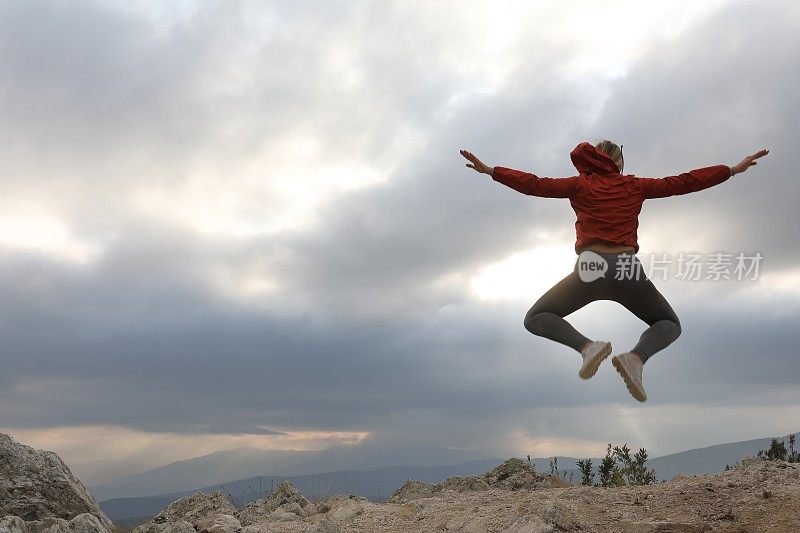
x,y
38,493
759,496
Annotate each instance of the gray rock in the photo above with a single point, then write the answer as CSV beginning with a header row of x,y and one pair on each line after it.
x,y
190,509
37,484
750,461
13,524
513,474
562,519
324,526
48,525
85,523
179,526
218,523
346,508
462,484
411,490
260,510
294,507
284,516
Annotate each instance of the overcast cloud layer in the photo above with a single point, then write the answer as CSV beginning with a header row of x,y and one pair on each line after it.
x,y
234,219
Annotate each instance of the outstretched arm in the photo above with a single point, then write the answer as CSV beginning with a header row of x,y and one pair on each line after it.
x,y
695,180
524,182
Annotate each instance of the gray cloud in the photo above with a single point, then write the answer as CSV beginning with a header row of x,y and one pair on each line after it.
x,y
714,96
358,335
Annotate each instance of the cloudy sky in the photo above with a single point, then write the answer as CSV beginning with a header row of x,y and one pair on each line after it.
x,y
247,223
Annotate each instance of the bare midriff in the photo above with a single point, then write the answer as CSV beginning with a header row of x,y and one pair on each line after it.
x,y
606,247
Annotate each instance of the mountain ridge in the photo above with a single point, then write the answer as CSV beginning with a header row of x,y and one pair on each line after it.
x,y
705,460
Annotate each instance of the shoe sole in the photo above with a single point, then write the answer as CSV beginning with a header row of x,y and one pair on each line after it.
x,y
591,369
635,391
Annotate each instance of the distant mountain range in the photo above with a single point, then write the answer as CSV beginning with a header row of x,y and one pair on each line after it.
x,y
377,485
374,483
240,463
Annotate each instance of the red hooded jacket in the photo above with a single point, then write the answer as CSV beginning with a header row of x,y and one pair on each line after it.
x,y
606,202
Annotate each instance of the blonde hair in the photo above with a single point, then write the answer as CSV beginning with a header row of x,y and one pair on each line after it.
x,y
614,151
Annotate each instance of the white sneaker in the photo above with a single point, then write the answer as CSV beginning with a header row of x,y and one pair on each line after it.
x,y
629,365
593,354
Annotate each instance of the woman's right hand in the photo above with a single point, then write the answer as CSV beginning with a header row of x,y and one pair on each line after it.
x,y
749,161
477,164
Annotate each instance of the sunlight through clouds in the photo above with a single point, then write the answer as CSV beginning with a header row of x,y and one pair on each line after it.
x,y
610,36
86,444
252,214
524,274
242,285
37,230
277,190
534,443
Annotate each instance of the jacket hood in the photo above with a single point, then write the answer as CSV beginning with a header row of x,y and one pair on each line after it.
x,y
588,159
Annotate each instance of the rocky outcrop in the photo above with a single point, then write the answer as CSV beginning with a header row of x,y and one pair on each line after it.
x,y
38,494
286,497
211,513
411,490
196,507
38,488
218,523
512,498
83,523
176,526
513,474
516,474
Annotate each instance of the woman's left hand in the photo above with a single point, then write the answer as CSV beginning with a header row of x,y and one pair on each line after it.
x,y
749,161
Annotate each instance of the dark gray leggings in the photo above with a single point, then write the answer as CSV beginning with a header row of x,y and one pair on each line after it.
x,y
639,296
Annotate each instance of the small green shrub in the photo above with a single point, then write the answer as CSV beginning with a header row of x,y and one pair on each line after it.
x,y
587,475
777,451
619,467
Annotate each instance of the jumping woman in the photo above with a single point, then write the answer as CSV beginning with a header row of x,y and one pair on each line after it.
x,y
607,204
